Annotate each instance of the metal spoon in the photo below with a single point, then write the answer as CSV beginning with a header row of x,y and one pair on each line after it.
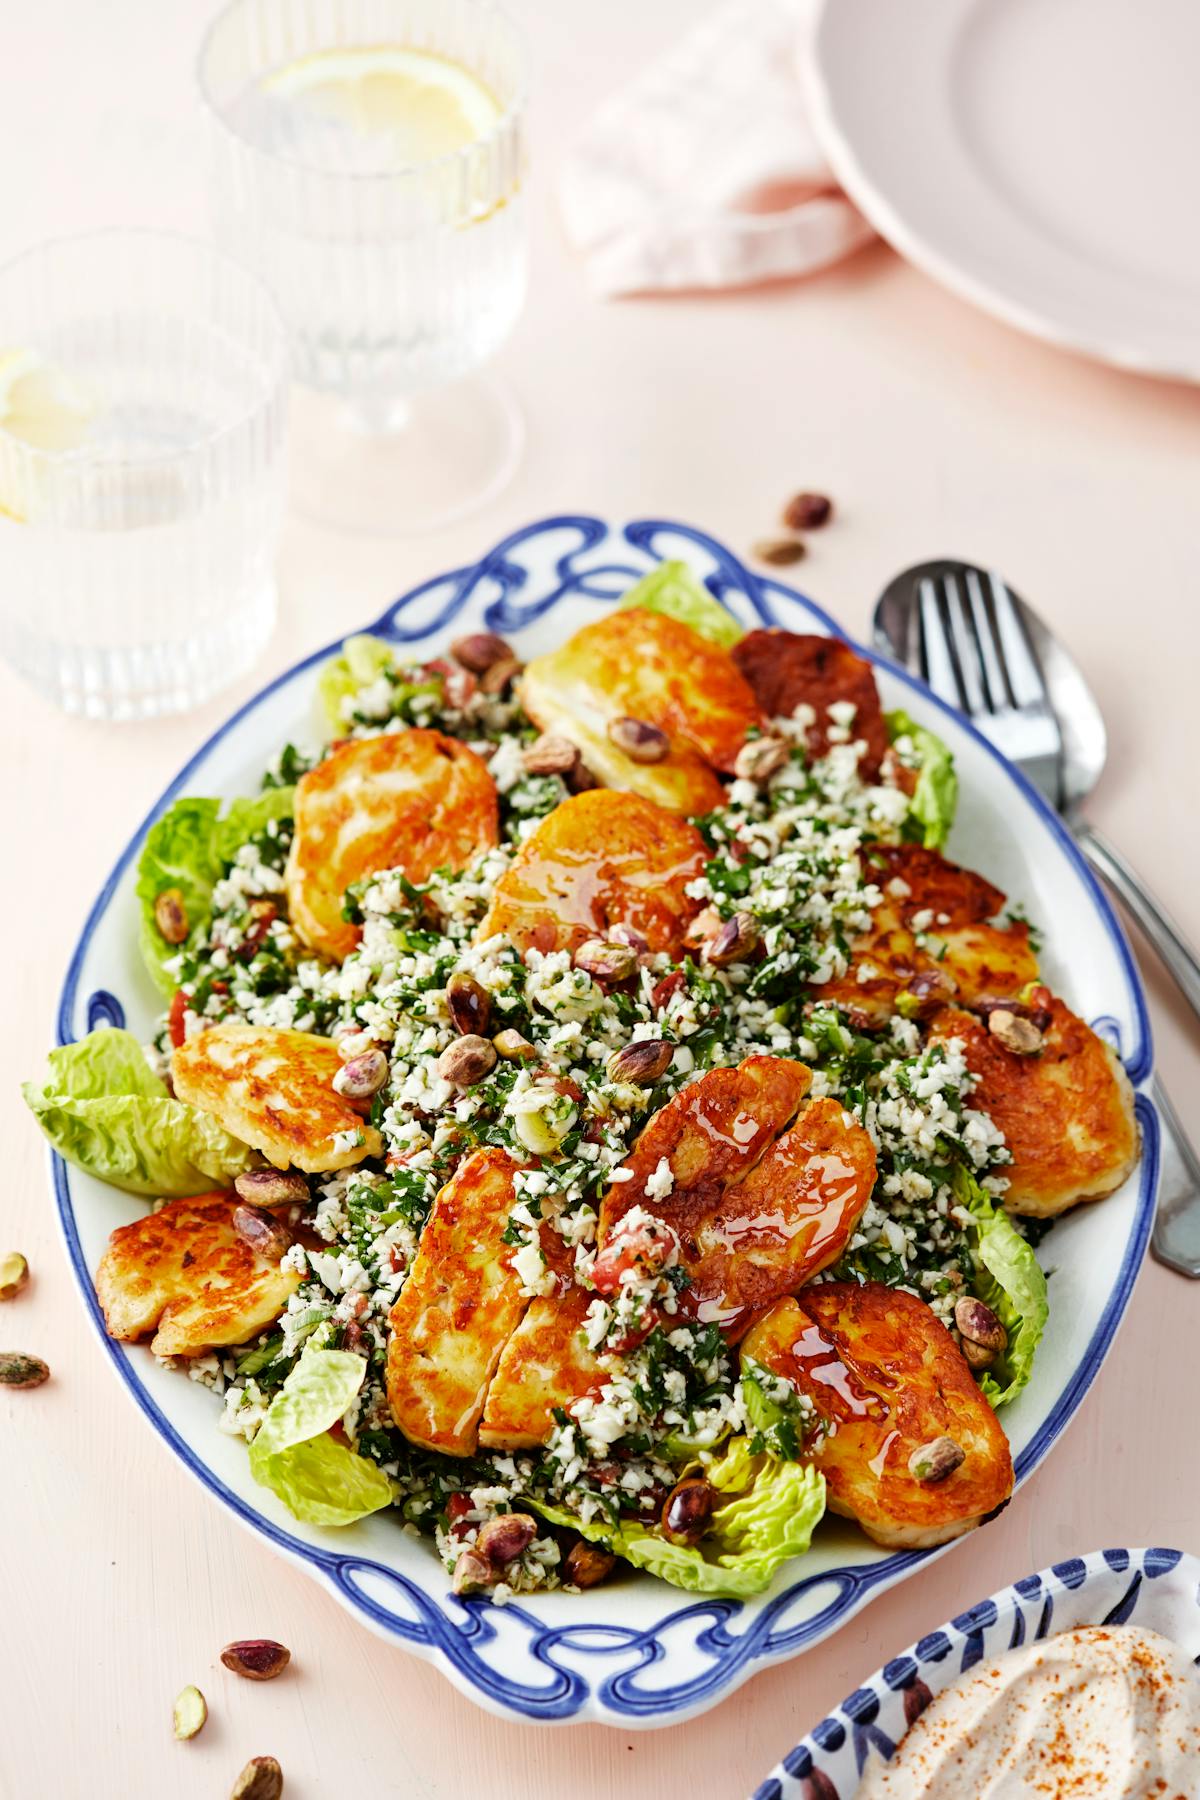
x,y
1084,747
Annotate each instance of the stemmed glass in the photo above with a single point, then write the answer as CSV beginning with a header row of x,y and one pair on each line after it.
x,y
367,164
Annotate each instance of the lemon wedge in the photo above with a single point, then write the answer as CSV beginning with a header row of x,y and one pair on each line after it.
x,y
423,104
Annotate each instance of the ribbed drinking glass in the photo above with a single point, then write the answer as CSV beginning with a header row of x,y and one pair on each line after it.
x,y
143,411
368,164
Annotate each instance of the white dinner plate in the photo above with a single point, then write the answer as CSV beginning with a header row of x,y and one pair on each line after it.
x,y
635,1651
1040,157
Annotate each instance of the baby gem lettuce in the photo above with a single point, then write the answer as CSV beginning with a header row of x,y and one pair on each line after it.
x,y
768,1514
105,1110
320,1479
189,849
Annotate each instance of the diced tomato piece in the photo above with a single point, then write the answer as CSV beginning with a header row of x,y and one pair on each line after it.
x,y
175,1017
630,1340
644,1247
663,990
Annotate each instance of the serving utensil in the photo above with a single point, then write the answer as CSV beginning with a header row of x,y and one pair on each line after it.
x,y
983,649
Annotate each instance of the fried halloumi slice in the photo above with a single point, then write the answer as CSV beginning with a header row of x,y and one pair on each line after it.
x,y
545,1364
930,938
758,1202
600,859
877,1363
274,1090
457,1310
1066,1112
709,1133
415,800
787,669
647,666
185,1274
791,1216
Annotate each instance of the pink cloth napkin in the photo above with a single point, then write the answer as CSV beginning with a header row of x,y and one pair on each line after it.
x,y
705,172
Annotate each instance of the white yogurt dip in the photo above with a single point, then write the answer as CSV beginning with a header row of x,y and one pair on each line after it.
x,y
1104,1712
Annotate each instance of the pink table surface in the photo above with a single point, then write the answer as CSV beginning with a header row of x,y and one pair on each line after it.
x,y
937,431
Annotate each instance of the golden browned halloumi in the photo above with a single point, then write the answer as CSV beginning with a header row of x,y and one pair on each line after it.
x,y
709,1133
457,1310
1066,1113
760,1204
545,1364
789,1217
950,909
787,669
877,1362
598,860
274,1090
415,800
185,1271
644,665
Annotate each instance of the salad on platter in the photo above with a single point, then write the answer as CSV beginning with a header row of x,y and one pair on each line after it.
x,y
589,1116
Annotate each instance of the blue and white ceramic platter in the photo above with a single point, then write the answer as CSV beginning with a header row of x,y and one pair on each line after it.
x,y
1157,1589
634,1652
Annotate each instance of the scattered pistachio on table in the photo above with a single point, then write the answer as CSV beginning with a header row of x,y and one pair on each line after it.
x,y
779,551
257,1659
807,512
261,1779
20,1371
189,1713
14,1273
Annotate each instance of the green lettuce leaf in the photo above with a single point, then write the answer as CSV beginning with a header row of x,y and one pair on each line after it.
x,y
318,1478
671,588
935,800
105,1110
1010,1280
105,1062
769,1514
356,665
189,849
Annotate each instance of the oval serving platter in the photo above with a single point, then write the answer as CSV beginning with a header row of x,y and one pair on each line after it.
x,y
636,1652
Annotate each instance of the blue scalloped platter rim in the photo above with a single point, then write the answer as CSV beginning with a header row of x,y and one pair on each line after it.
x,y
476,1646
1156,1588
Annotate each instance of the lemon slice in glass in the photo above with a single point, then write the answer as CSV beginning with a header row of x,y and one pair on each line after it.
x,y
42,407
40,404
424,105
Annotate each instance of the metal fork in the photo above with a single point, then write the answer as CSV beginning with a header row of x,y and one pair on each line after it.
x,y
972,650
962,631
